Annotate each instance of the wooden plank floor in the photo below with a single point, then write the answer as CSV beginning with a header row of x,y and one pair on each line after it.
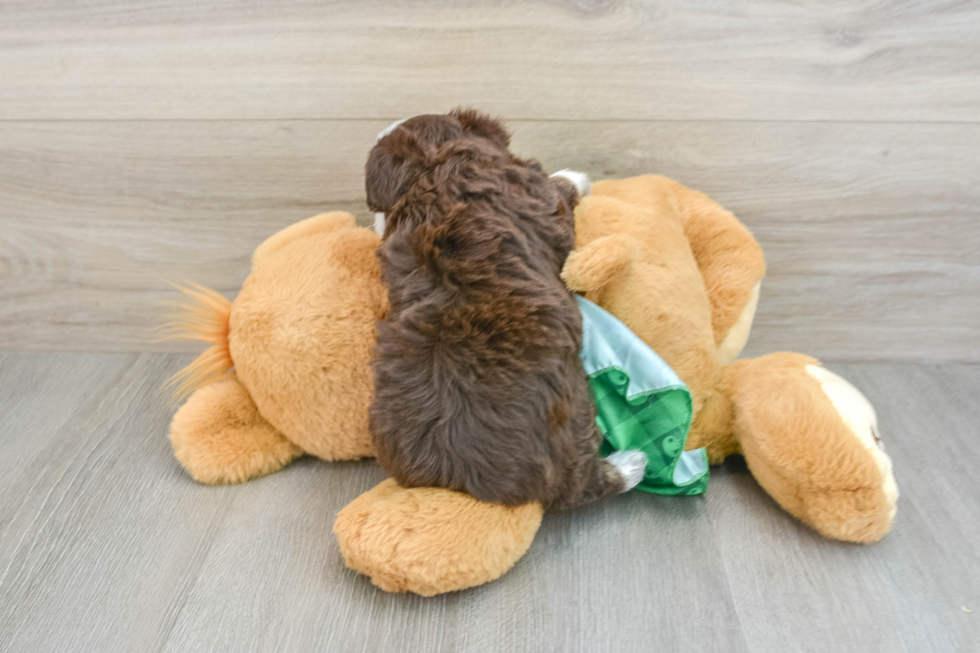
x,y
106,545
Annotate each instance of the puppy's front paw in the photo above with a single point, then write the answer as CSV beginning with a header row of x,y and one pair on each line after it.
x,y
579,179
632,464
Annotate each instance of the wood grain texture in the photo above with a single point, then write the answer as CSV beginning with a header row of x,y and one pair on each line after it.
x,y
870,231
90,542
572,59
105,544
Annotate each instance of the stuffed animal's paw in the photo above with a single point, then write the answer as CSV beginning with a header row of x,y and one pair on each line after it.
x,y
220,438
591,267
429,540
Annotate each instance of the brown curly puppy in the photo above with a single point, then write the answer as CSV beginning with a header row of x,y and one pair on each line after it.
x,y
478,382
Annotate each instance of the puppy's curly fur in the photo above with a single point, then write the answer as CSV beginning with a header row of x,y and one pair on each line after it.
x,y
478,382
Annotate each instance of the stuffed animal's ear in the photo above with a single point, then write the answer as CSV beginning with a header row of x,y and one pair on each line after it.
x,y
394,164
474,122
590,268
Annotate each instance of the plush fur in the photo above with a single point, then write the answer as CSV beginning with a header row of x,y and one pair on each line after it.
x,y
303,329
220,437
478,383
625,252
299,337
728,258
420,558
804,455
313,301
205,319
809,440
682,272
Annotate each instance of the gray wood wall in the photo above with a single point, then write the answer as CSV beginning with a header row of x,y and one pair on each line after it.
x,y
144,143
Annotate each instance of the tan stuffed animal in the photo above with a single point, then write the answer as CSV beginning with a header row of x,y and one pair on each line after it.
x,y
673,265
299,337
684,275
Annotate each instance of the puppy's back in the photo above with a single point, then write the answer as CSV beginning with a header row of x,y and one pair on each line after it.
x,y
479,387
478,380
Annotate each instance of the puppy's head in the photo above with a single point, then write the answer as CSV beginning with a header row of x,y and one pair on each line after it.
x,y
405,149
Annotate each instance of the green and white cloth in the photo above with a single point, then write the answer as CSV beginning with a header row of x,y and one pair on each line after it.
x,y
640,404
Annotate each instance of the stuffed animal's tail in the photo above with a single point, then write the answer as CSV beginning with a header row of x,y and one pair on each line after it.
x,y
202,315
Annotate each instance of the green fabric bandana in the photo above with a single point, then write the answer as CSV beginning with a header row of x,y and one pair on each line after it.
x,y
640,404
